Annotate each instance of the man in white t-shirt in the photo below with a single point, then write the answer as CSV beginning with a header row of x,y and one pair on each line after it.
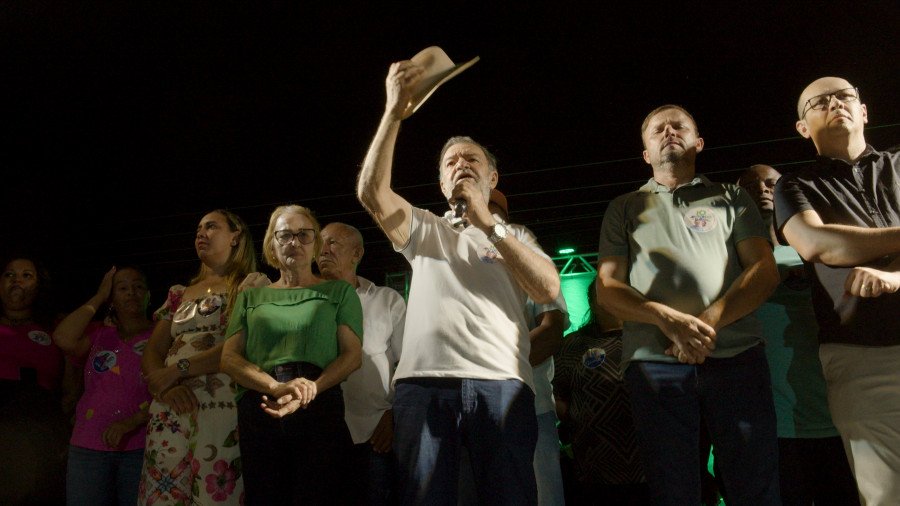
x,y
464,378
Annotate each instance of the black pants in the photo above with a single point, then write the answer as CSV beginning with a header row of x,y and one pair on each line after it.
x,y
299,459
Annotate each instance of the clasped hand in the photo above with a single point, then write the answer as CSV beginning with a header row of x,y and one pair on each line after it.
x,y
692,339
288,397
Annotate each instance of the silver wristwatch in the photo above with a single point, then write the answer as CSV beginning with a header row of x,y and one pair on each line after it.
x,y
183,365
498,233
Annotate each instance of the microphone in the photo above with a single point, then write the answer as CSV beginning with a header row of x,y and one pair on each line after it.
x,y
459,208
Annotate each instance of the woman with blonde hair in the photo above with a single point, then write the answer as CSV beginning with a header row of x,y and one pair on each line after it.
x,y
191,454
290,346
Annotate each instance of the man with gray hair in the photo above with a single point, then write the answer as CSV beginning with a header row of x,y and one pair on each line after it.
x,y
842,215
464,376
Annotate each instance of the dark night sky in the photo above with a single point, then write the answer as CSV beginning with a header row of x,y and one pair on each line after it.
x,y
152,116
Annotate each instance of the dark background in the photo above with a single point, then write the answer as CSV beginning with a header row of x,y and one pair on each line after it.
x,y
123,123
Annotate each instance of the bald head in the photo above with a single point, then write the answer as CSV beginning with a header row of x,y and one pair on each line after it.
x,y
833,116
759,181
819,87
342,250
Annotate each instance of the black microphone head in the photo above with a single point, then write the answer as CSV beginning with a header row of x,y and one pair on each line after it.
x,y
459,208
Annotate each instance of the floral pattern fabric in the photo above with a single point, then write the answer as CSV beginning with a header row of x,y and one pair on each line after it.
x,y
194,459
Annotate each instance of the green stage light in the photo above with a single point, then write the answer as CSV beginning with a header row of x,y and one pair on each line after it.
x,y
567,251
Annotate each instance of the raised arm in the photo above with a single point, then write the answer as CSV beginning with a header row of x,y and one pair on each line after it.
x,y
391,211
694,339
69,334
838,245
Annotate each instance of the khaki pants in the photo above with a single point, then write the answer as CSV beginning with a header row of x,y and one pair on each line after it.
x,y
864,399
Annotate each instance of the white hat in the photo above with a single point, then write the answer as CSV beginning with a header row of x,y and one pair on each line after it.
x,y
439,68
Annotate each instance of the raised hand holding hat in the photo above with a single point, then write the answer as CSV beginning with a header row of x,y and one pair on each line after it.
x,y
438,69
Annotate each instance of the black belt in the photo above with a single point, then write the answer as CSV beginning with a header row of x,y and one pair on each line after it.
x,y
291,370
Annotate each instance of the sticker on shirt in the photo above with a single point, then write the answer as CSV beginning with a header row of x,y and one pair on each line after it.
x,y
209,304
593,358
39,337
489,255
105,360
139,347
701,219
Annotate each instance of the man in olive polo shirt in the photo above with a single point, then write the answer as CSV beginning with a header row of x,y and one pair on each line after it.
x,y
684,262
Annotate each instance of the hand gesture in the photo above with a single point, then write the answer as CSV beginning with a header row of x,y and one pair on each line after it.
x,y
287,397
868,282
181,399
693,339
401,78
277,409
383,437
254,280
477,212
113,434
161,380
105,289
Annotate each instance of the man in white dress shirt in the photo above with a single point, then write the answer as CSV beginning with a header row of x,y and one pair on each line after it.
x,y
367,392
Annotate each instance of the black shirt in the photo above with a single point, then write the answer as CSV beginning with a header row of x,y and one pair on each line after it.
x,y
865,194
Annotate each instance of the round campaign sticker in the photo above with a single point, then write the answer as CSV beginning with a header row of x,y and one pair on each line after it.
x,y
593,357
701,219
489,255
104,360
40,337
139,346
210,304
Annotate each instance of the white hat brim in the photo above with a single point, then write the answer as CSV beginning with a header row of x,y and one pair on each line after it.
x,y
439,69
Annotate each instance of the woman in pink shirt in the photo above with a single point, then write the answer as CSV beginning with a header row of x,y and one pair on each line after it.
x,y
107,445
33,427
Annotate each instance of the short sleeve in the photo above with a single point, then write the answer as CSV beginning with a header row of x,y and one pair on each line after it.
x,y
748,222
170,306
789,200
613,232
238,319
349,311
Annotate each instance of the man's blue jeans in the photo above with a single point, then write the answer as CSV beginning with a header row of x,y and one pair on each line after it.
x,y
494,419
734,397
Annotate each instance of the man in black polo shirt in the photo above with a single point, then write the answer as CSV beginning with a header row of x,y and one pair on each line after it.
x,y
842,215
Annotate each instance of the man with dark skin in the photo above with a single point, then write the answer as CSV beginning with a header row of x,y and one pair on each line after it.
x,y
812,465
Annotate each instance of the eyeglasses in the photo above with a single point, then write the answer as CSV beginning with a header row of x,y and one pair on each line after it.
x,y
305,236
821,102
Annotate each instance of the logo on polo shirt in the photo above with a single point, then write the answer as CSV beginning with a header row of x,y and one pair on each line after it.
x,y
701,219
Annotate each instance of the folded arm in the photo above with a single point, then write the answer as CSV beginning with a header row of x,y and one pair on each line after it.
x,y
839,245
